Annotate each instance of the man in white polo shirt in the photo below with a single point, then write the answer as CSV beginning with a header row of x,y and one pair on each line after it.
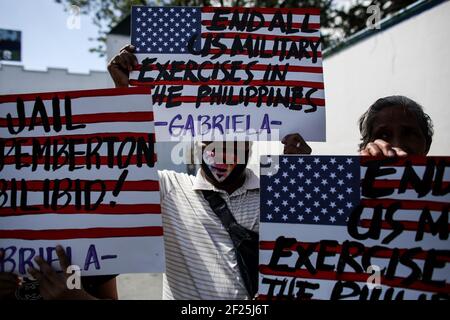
x,y
200,257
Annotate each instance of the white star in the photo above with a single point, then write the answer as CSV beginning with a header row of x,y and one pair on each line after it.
x,y
349,205
269,202
316,160
285,189
308,167
285,160
285,217
285,175
340,182
292,210
269,188
349,190
340,197
276,209
324,211
332,204
316,204
316,189
292,167
324,182
333,175
300,218
300,189
340,167
138,9
324,196
308,210
349,175
349,161
276,181
316,175
269,217
308,181
300,203
276,195
292,181
332,219
333,190
324,167
333,160
300,175
292,196
300,160
340,212
308,196
284,203
316,218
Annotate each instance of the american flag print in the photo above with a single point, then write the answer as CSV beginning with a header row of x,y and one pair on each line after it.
x,y
97,150
331,225
230,62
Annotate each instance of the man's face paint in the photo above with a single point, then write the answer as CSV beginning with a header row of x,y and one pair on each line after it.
x,y
219,168
224,160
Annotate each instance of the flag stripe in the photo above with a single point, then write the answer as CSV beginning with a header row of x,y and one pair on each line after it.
x,y
406,204
385,253
312,11
101,209
90,233
140,185
357,277
75,94
28,141
89,118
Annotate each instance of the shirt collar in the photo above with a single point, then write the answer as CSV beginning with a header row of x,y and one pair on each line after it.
x,y
251,182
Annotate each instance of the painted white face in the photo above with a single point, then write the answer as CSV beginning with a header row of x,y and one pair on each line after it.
x,y
218,168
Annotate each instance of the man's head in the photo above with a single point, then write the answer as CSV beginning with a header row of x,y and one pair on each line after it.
x,y
224,163
399,121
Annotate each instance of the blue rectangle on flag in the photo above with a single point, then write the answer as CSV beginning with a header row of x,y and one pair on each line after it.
x,y
165,29
314,190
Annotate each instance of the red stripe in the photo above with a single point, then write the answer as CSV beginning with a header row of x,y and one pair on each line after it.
x,y
406,204
243,35
295,25
311,11
140,185
79,160
228,66
387,253
357,277
90,233
102,209
92,118
192,99
401,162
407,225
396,184
75,94
267,52
28,141
279,83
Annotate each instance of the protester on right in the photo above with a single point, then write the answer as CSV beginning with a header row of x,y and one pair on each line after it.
x,y
395,126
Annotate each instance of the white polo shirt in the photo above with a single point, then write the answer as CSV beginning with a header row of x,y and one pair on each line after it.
x,y
200,258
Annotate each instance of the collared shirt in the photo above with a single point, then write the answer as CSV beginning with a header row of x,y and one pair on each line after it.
x,y
200,258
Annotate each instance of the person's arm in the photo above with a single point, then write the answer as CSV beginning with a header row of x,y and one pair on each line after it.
x,y
53,285
121,65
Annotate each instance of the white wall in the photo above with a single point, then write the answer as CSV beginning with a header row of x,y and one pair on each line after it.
x,y
411,58
16,79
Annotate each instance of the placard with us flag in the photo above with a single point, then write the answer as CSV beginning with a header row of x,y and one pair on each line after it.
x,y
350,227
250,73
78,169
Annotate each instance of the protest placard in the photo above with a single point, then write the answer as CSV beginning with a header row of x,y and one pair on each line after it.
x,y
78,169
355,228
250,73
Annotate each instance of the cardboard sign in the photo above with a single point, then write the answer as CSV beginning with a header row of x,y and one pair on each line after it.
x,y
78,169
355,228
247,73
